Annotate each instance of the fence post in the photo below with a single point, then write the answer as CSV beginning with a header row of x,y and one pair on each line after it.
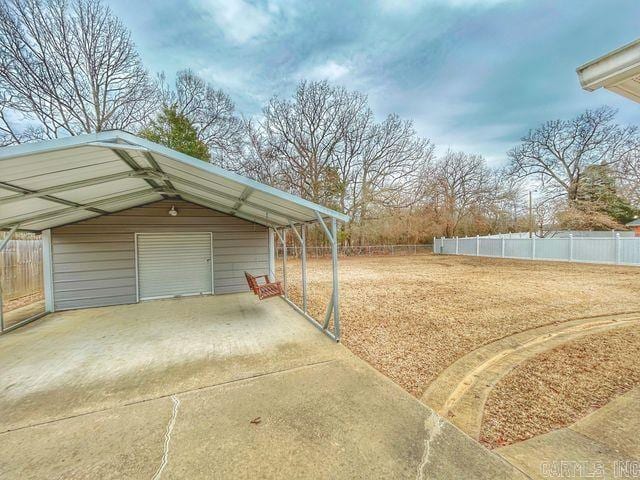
x,y
457,245
618,249
571,247
477,245
502,247
533,247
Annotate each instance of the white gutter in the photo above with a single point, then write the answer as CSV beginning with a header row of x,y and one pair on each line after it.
x,y
610,70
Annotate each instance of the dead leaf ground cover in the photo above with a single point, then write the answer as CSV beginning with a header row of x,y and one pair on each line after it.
x,y
558,387
412,316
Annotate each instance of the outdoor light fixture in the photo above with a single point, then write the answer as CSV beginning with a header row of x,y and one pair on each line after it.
x,y
173,212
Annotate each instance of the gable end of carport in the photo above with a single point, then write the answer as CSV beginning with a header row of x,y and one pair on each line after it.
x,y
94,261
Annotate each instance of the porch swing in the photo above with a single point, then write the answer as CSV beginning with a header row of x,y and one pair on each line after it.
x,y
264,288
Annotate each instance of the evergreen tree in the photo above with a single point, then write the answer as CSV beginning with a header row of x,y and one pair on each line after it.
x,y
598,192
175,131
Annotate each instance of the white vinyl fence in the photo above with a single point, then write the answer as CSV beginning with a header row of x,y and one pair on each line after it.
x,y
618,250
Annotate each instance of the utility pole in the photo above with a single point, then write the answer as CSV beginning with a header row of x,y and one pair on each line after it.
x,y
530,215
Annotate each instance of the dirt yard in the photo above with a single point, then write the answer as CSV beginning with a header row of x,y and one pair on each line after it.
x,y
411,317
559,387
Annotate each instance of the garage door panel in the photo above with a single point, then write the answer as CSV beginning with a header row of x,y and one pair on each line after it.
x,y
174,264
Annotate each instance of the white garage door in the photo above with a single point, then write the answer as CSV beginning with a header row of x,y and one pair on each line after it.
x,y
173,264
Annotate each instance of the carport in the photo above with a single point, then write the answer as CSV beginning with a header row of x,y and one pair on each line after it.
x,y
200,386
124,220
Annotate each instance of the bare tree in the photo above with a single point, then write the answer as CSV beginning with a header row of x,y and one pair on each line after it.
x,y
257,159
212,113
628,177
307,133
381,165
507,212
461,187
68,67
558,152
327,147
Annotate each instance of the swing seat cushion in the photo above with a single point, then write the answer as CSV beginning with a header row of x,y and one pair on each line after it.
x,y
265,289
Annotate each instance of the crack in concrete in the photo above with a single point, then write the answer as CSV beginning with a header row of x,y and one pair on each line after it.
x,y
433,425
178,392
167,438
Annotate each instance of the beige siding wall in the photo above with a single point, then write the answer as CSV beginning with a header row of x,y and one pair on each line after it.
x,y
94,260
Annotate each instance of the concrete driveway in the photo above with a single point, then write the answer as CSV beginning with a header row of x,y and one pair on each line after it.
x,y
212,387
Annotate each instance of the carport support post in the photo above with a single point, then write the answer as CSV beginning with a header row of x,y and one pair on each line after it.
x,y
282,239
334,306
303,229
47,271
284,260
272,255
3,245
303,260
336,297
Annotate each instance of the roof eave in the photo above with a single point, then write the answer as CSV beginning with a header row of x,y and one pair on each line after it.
x,y
611,68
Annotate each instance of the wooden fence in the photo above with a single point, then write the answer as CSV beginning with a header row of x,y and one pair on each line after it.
x,y
21,268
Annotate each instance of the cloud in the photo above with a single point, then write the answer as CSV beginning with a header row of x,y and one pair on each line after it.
x,y
239,20
473,74
330,70
225,77
473,3
413,5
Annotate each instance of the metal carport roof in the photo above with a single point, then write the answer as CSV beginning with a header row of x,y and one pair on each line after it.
x,y
61,181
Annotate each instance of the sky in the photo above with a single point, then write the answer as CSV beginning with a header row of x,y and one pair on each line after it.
x,y
473,75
